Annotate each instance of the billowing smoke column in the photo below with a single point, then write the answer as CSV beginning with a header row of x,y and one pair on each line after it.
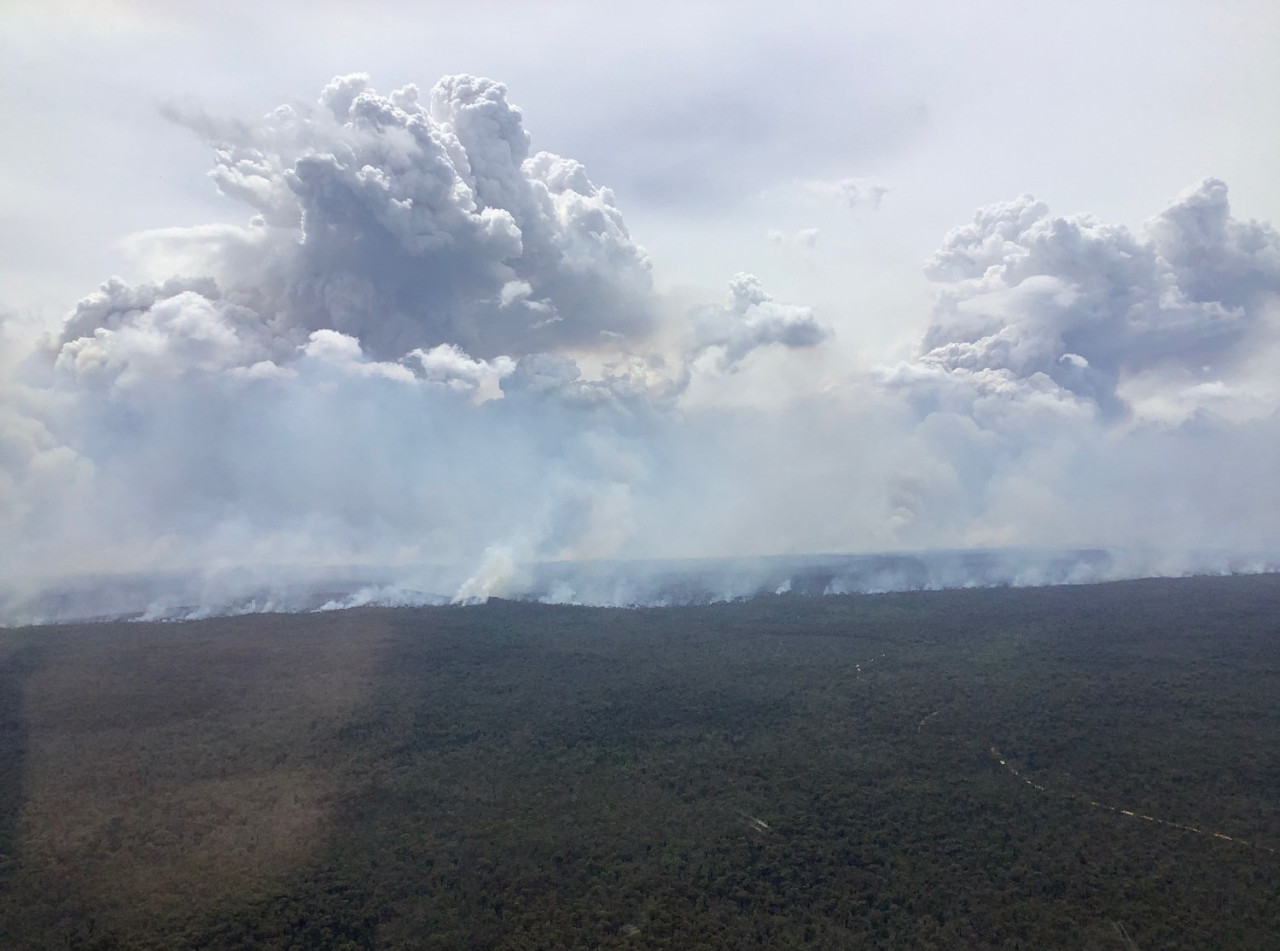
x,y
1074,307
384,365
433,365
405,224
1093,384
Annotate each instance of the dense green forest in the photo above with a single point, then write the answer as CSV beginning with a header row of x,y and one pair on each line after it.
x,y
1075,767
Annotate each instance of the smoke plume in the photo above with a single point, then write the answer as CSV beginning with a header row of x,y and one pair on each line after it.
x,y
432,365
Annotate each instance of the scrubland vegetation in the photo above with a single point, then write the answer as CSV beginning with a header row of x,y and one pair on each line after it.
x,y
781,772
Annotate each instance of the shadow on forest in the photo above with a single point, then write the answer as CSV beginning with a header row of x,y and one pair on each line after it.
x,y
16,669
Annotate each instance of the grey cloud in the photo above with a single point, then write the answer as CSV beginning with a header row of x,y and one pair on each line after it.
x,y
173,332
751,320
1085,304
408,218
1215,257
631,392
451,366
116,303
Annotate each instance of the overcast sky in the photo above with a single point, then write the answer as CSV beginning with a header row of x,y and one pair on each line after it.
x,y
774,214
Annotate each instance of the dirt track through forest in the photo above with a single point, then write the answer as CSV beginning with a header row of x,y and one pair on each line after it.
x,y
1080,798
1076,797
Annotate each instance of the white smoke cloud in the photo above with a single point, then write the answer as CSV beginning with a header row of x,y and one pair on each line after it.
x,y
1039,302
411,222
435,358
751,320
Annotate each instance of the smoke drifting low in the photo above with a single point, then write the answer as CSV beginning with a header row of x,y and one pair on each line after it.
x,y
433,360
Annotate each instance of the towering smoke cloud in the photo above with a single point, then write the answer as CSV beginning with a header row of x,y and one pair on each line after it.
x,y
1097,383
385,365
437,353
411,223
1071,307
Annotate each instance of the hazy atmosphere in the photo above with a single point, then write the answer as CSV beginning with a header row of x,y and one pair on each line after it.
x,y
439,293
